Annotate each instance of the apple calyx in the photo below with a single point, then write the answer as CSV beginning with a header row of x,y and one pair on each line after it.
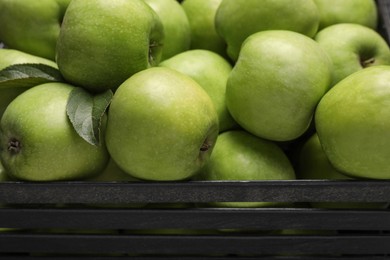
x,y
205,146
14,146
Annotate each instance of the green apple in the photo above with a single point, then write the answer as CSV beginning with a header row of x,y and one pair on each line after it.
x,y
278,79
353,47
38,142
161,125
32,26
176,26
362,12
10,57
201,16
313,164
240,156
211,71
353,121
102,43
237,19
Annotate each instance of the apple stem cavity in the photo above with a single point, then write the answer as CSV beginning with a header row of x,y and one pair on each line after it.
x,y
367,62
152,52
14,146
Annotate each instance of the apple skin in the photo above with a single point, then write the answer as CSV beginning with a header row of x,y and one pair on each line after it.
x,y
353,47
176,26
362,12
211,71
10,57
240,156
237,19
32,26
352,122
274,87
201,16
38,142
161,126
100,45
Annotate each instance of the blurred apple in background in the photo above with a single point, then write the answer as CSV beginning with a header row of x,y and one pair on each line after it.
x,y
161,125
38,142
237,19
211,71
201,16
276,84
32,26
239,155
362,12
102,43
353,121
353,47
176,26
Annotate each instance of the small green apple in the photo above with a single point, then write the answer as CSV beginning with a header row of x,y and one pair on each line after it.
x,y
313,164
176,26
362,12
353,47
32,26
38,142
240,156
353,122
102,43
10,57
237,19
201,16
211,71
278,79
161,125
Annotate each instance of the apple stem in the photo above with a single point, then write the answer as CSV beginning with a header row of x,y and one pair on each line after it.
x,y
14,146
367,62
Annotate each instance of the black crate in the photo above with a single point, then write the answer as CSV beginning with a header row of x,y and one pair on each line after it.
x,y
78,220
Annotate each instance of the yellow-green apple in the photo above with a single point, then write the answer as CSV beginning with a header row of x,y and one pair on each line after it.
x,y
161,125
352,121
237,19
278,79
211,71
201,16
38,141
353,47
241,156
176,26
32,26
313,164
10,57
362,12
102,43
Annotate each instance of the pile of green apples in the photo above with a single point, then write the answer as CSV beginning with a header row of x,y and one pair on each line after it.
x,y
167,90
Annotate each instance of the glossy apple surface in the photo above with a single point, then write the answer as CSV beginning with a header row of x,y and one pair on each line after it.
x,y
161,125
102,43
353,47
276,84
352,122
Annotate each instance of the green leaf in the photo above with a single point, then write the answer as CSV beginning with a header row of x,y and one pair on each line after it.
x,y
86,111
28,75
